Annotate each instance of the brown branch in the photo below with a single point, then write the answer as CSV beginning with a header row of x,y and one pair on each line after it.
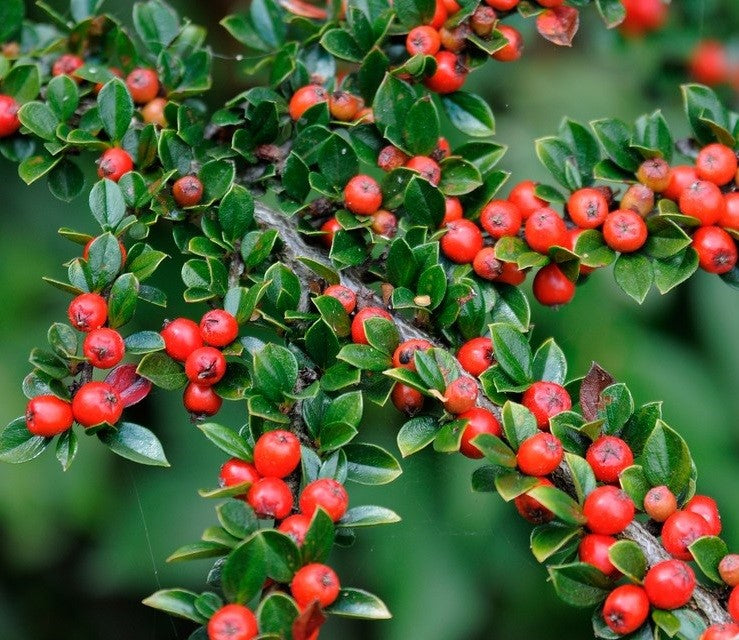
x,y
294,247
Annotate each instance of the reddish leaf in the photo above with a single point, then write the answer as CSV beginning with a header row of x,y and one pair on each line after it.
x,y
130,386
308,622
590,390
559,25
304,9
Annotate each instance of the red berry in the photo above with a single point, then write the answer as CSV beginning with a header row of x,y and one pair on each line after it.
x,y
502,5
540,454
476,355
48,416
143,85
96,403
594,548
608,510
271,498
660,503
452,210
181,337
483,20
552,287
479,421
523,195
545,229
201,399
609,456
304,98
461,395
358,332
625,231
233,622
626,608
9,122
67,65
362,195
390,157
450,73
703,200
296,527
486,265
707,508
728,569
423,40
104,348
501,218
514,48
730,218
205,366
511,274
277,454
544,400
734,604
442,149
440,15
407,399
326,493
709,63
153,112
218,328
428,168
669,584
344,106
643,16
717,252
681,530
403,356
88,311
532,510
716,163
114,163
315,582
728,631
187,191
462,241
655,174
344,295
329,228
235,471
587,208
384,223
681,177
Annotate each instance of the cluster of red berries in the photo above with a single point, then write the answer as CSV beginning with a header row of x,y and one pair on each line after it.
x,y
342,105
711,64
93,403
643,16
200,348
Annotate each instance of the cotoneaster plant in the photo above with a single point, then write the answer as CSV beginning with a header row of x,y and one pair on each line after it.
x,y
327,210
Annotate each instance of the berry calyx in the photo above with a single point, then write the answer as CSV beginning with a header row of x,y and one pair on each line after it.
x,y
362,195
201,400
552,287
315,582
540,454
359,335
404,354
608,510
544,400
587,208
114,164
344,295
48,416
479,421
9,122
669,584
205,366
143,85
326,493
96,403
218,328
295,526
181,337
609,456
717,252
594,548
233,622
104,348
187,191
87,312
461,395
271,498
626,608
624,231
660,503
681,530
707,508
277,454
476,355
462,241
532,510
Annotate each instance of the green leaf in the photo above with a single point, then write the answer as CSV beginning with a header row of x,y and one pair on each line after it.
x,y
63,339
513,484
156,23
613,12
226,440
276,614
134,442
666,459
281,554
368,516
628,558
708,552
518,423
275,371
421,131
615,138
559,503
62,96
236,213
245,570
579,584
555,154
382,334
416,434
364,356
36,167
424,203
459,177
337,160
115,107
107,204
702,107
615,407
122,303
512,352
24,80
162,371
495,450
342,44
369,464
197,551
17,445
670,272
11,18
633,273
548,539
652,136
66,180
469,113
345,408
319,539
582,475
355,603
550,363
39,119
634,483
176,602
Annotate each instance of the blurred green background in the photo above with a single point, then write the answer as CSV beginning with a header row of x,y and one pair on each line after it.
x,y
80,550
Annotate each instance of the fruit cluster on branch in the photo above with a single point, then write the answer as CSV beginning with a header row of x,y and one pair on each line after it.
x,y
348,254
